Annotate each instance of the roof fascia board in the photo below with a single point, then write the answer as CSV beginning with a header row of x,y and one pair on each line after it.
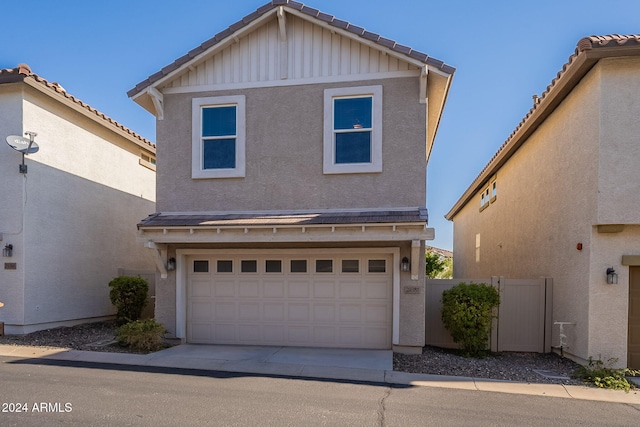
x,y
40,87
443,102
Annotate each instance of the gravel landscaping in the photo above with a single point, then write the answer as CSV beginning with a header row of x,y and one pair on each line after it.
x,y
501,366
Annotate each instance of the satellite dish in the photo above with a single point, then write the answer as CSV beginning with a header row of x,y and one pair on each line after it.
x,y
21,144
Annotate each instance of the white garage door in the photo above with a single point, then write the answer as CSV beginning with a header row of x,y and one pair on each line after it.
x,y
335,300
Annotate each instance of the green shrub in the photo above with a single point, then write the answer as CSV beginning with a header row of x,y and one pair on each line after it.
x,y
467,313
604,376
142,335
129,295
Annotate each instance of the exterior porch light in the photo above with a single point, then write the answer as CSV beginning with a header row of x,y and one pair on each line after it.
x,y
405,265
612,276
171,264
7,251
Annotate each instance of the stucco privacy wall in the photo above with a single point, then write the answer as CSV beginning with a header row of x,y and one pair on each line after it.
x,y
85,191
619,195
546,204
285,139
411,306
11,289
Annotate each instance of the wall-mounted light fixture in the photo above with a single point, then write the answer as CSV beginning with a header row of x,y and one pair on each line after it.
x,y
405,265
7,251
612,276
171,264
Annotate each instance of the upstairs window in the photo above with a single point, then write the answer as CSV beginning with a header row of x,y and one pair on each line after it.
x,y
218,146
353,130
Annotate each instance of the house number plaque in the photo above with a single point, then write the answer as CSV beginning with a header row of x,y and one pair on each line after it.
x,y
411,289
10,265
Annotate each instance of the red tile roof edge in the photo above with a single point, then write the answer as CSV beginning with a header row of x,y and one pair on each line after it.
x,y
23,71
585,44
313,13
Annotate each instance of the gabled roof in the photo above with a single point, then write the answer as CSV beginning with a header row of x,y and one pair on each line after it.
x,y
313,14
23,73
588,52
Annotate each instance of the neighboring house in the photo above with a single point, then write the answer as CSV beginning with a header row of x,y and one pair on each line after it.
x,y
291,184
67,225
561,199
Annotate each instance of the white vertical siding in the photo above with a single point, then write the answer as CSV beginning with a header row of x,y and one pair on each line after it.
x,y
314,52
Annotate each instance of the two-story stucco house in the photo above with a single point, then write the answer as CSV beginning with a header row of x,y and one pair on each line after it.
x,y
67,221
291,184
561,199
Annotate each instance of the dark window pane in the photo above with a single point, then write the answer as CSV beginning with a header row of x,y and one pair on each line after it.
x,y
273,266
324,266
298,265
353,147
352,113
250,266
219,121
225,266
377,266
350,266
219,154
200,266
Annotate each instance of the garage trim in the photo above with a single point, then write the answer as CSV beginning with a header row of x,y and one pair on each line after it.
x,y
182,269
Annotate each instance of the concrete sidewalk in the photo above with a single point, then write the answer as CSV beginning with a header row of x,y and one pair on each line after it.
x,y
350,365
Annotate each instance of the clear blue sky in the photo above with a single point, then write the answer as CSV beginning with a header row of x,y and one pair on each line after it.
x,y
504,51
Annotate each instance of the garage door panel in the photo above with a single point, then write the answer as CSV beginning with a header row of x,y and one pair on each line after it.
x,y
248,311
299,288
323,288
273,288
299,312
249,333
201,310
324,312
224,288
224,311
274,311
350,288
201,287
299,335
249,288
255,305
350,313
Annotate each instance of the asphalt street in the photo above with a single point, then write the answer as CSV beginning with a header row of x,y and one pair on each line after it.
x,y
35,392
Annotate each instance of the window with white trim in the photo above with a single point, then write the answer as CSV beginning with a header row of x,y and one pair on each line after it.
x,y
353,130
218,137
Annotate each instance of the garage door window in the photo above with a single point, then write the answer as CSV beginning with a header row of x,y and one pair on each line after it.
x,y
273,266
249,266
200,266
377,266
225,266
350,266
298,265
324,266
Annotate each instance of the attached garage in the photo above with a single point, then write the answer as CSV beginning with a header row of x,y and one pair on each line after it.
x,y
311,298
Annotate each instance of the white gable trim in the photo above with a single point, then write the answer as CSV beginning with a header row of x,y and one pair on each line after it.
x,y
276,83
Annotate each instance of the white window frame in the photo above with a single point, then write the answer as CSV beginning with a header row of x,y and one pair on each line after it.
x,y
197,170
329,163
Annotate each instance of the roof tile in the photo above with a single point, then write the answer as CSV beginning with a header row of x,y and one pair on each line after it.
x,y
325,17
402,49
310,11
295,5
419,55
355,29
340,23
386,42
251,17
371,36
236,26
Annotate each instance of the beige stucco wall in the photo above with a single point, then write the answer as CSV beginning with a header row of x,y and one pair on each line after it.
x,y
284,154
546,204
83,196
619,195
